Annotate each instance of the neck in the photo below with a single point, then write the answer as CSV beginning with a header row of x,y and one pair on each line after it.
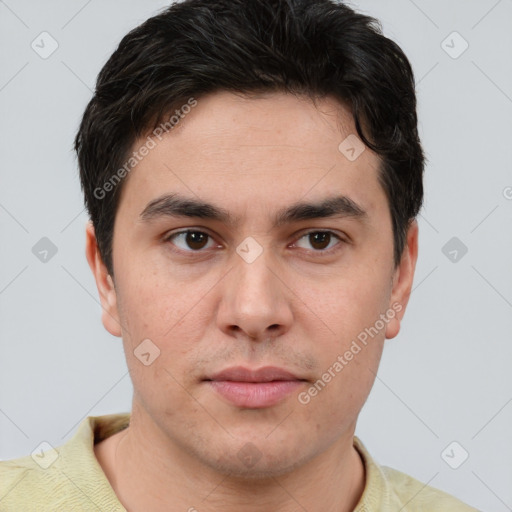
x,y
148,471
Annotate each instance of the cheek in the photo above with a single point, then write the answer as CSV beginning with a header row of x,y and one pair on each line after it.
x,y
334,401
349,355
349,305
162,325
152,304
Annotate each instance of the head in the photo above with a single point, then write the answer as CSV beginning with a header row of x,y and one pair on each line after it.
x,y
282,134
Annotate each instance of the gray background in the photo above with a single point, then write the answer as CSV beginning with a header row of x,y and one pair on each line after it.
x,y
446,377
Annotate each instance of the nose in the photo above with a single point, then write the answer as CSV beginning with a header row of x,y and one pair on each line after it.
x,y
255,299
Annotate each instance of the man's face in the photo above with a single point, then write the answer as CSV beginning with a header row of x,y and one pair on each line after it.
x,y
250,293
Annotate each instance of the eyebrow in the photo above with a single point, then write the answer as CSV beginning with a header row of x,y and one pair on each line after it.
x,y
176,205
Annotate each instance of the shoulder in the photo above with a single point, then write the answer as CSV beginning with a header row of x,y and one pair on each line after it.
x,y
421,497
67,477
388,490
23,483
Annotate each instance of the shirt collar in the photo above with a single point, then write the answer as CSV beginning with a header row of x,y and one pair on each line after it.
x,y
93,429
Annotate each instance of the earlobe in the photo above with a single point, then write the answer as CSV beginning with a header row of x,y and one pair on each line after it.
x,y
402,281
104,283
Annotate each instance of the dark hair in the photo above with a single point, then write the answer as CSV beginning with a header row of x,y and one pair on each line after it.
x,y
304,47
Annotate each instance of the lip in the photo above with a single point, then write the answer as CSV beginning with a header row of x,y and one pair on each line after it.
x,y
265,374
255,389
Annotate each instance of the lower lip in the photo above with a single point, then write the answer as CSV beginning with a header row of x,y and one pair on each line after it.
x,y
255,395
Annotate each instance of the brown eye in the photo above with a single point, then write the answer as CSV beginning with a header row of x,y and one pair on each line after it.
x,y
189,240
320,241
196,239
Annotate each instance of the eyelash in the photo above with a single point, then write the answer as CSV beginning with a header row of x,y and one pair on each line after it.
x,y
335,248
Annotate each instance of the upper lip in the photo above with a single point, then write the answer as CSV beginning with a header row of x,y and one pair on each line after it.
x,y
265,374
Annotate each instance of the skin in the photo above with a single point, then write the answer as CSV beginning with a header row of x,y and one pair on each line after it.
x,y
294,307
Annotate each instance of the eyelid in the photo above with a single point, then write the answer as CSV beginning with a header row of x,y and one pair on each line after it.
x,y
167,237
341,238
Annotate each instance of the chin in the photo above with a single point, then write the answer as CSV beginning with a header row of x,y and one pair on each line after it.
x,y
258,461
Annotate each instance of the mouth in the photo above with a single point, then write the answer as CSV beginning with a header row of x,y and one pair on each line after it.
x,y
255,389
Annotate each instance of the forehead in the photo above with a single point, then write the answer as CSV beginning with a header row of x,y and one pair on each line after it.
x,y
269,149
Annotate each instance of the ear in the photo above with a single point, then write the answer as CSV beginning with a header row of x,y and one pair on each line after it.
x,y
104,283
402,280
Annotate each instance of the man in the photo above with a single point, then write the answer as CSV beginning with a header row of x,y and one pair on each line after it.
x,y
253,171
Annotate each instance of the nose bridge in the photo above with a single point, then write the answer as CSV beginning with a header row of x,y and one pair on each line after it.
x,y
255,299
254,278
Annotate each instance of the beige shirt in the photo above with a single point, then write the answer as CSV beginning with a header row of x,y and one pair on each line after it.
x,y
69,478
